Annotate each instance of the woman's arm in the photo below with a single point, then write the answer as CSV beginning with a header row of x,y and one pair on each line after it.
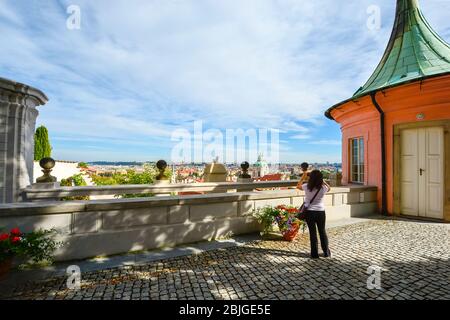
x,y
326,185
302,180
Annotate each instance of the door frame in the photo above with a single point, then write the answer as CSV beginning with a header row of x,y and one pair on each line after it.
x,y
397,160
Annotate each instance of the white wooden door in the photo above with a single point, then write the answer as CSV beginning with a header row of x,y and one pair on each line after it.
x,y
422,172
409,166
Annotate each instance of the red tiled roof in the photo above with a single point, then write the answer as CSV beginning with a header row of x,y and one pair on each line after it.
x,y
271,177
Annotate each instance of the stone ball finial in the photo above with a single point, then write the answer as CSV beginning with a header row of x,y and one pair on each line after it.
x,y
161,165
47,164
245,166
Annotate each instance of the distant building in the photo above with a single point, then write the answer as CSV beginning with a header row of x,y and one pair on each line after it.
x,y
261,168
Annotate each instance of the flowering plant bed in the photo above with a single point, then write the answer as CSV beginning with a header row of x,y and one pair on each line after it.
x,y
37,246
282,216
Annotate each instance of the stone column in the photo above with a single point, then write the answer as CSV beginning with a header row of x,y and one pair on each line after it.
x,y
18,115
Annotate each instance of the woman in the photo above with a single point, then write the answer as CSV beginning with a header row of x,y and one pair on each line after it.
x,y
315,190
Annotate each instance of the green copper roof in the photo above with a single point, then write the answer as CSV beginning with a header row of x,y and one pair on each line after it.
x,y
414,51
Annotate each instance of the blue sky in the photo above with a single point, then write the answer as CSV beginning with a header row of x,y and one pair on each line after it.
x,y
138,70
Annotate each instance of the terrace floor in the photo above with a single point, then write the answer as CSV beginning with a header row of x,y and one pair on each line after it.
x,y
414,258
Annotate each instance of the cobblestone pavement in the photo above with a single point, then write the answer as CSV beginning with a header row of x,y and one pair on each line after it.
x,y
414,258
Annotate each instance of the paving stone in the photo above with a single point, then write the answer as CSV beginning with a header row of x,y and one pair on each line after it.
x,y
413,256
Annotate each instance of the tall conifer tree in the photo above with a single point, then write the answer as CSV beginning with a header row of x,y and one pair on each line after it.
x,y
42,147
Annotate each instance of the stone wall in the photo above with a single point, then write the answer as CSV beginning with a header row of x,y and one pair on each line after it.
x,y
105,227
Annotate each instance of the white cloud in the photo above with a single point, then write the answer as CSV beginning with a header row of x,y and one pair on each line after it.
x,y
301,137
228,62
142,69
326,142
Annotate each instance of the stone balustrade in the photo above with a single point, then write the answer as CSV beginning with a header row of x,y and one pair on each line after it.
x,y
106,227
41,193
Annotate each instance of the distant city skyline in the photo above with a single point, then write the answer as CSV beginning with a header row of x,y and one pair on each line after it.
x,y
136,71
192,163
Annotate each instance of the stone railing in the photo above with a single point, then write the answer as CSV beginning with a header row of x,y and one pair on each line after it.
x,y
106,227
41,193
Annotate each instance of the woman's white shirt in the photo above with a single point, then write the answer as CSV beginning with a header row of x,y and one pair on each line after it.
x,y
318,204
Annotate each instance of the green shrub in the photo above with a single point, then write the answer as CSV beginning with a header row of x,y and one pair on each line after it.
x,y
77,181
148,176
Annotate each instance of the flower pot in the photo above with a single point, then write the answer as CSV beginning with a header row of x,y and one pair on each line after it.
x,y
291,234
5,266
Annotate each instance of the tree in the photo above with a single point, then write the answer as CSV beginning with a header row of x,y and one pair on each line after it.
x,y
42,147
147,176
83,165
326,174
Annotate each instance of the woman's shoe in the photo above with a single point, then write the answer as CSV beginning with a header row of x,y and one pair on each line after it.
x,y
327,255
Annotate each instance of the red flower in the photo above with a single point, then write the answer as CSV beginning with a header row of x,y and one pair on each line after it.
x,y
15,239
4,236
16,232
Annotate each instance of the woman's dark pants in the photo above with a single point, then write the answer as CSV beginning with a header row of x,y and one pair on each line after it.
x,y
317,219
